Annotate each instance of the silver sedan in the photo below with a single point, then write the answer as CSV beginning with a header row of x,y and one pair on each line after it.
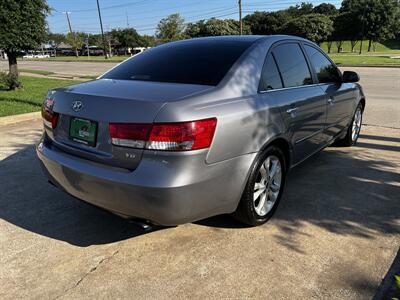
x,y
197,128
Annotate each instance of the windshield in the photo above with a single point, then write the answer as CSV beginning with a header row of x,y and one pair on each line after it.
x,y
202,61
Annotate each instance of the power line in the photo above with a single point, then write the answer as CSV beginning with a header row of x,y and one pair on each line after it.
x,y
116,19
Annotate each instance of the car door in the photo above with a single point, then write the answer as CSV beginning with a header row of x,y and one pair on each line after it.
x,y
287,82
339,95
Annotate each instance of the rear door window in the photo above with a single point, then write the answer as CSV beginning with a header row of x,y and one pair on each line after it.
x,y
292,65
325,70
270,78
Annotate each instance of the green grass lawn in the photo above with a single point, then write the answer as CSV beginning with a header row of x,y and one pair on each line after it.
x,y
364,59
388,47
30,97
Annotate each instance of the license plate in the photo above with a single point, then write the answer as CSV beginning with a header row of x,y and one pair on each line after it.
x,y
83,131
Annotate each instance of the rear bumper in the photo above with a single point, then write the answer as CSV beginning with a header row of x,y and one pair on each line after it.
x,y
166,188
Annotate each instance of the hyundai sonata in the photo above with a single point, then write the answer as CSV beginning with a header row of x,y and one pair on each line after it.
x,y
197,128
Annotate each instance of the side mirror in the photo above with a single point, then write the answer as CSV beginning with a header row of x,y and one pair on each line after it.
x,y
350,76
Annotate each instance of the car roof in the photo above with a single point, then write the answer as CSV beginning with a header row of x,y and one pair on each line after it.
x,y
242,38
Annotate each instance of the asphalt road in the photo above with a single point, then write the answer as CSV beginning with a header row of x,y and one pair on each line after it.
x,y
381,85
382,89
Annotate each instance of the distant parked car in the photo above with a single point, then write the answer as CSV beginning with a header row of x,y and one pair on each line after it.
x,y
36,56
41,56
197,128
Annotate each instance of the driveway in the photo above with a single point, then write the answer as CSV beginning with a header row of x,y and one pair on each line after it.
x,y
334,236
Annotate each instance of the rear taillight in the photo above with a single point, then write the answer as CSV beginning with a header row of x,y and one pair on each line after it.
x,y
129,135
50,118
182,136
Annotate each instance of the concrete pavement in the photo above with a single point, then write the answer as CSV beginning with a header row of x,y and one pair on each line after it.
x,y
334,236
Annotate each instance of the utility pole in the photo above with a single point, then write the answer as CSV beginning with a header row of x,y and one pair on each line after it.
x,y
362,26
102,31
87,46
72,33
240,17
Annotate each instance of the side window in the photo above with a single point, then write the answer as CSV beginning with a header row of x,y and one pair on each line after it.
x,y
325,70
270,78
292,65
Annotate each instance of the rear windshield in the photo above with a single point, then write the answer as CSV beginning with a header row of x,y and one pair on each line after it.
x,y
193,62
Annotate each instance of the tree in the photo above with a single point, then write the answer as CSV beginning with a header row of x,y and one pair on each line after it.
x,y
96,40
170,28
194,29
125,38
76,40
315,27
346,27
147,41
55,38
214,27
326,9
376,16
300,10
266,22
23,27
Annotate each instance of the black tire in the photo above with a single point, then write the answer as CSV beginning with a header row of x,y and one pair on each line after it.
x,y
348,140
246,210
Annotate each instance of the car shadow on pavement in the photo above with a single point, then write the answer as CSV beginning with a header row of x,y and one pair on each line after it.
x,y
28,201
343,192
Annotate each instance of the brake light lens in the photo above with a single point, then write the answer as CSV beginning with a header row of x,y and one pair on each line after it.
x,y
181,136
50,118
129,135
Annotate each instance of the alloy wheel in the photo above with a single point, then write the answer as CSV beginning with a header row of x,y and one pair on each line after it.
x,y
267,185
356,126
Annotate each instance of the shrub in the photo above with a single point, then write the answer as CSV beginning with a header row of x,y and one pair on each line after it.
x,y
9,81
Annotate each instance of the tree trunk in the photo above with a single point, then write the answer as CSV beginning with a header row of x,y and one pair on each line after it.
x,y
12,63
339,46
329,46
13,68
369,45
353,45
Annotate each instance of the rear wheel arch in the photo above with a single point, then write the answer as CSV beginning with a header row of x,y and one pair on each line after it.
x,y
284,146
362,101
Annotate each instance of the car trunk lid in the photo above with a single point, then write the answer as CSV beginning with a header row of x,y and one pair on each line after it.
x,y
87,109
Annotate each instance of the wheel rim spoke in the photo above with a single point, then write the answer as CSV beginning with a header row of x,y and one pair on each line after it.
x,y
356,126
257,194
261,204
267,188
258,185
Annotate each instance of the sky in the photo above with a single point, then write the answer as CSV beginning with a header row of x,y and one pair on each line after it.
x,y
144,15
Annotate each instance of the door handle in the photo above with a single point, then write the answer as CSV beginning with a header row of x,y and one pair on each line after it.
x,y
292,110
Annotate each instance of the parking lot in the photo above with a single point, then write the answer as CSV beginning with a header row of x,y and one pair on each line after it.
x,y
334,235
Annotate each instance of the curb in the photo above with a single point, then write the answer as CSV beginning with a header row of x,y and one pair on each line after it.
x,y
367,66
20,118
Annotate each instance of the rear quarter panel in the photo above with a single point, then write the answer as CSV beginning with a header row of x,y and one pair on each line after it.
x,y
244,123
